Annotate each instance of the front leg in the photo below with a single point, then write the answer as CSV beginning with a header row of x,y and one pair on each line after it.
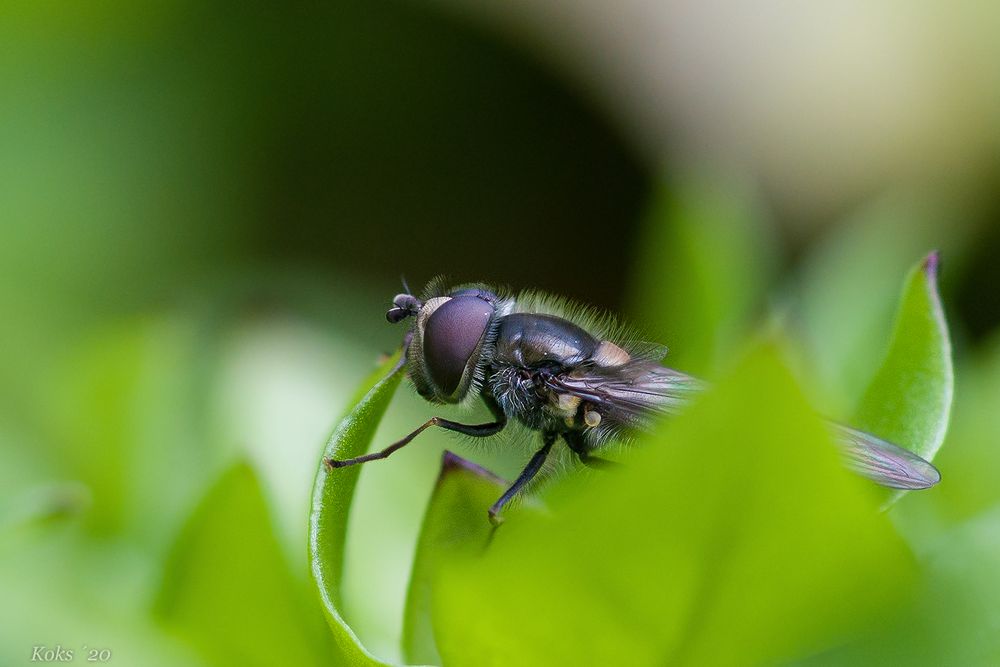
x,y
530,470
475,430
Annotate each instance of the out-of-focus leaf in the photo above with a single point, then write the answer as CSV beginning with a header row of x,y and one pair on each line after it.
x,y
132,398
63,588
703,263
971,457
732,536
331,503
228,587
909,400
45,504
455,521
955,620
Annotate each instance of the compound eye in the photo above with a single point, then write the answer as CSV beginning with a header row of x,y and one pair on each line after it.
x,y
483,294
451,339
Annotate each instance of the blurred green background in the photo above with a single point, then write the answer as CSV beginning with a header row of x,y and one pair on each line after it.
x,y
205,209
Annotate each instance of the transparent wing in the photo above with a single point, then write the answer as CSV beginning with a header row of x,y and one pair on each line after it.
x,y
632,394
883,462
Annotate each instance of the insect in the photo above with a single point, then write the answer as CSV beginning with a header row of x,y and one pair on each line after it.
x,y
526,357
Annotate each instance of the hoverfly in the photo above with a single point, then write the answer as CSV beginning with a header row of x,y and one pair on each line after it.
x,y
525,357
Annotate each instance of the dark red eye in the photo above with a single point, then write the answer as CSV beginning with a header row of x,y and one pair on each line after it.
x,y
451,337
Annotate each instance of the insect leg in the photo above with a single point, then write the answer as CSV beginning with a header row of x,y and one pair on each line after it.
x,y
475,430
530,470
579,446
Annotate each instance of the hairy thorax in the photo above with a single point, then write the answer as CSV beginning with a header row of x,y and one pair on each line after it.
x,y
531,351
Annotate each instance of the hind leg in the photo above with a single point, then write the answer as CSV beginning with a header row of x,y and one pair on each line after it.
x,y
529,472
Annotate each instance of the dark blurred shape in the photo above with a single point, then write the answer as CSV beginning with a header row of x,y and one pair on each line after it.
x,y
977,299
407,142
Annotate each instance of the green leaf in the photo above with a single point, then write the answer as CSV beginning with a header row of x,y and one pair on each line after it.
x,y
705,259
909,400
848,289
954,620
332,495
134,396
228,587
455,522
730,536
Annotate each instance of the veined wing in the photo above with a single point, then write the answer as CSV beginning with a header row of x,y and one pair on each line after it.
x,y
632,394
883,462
